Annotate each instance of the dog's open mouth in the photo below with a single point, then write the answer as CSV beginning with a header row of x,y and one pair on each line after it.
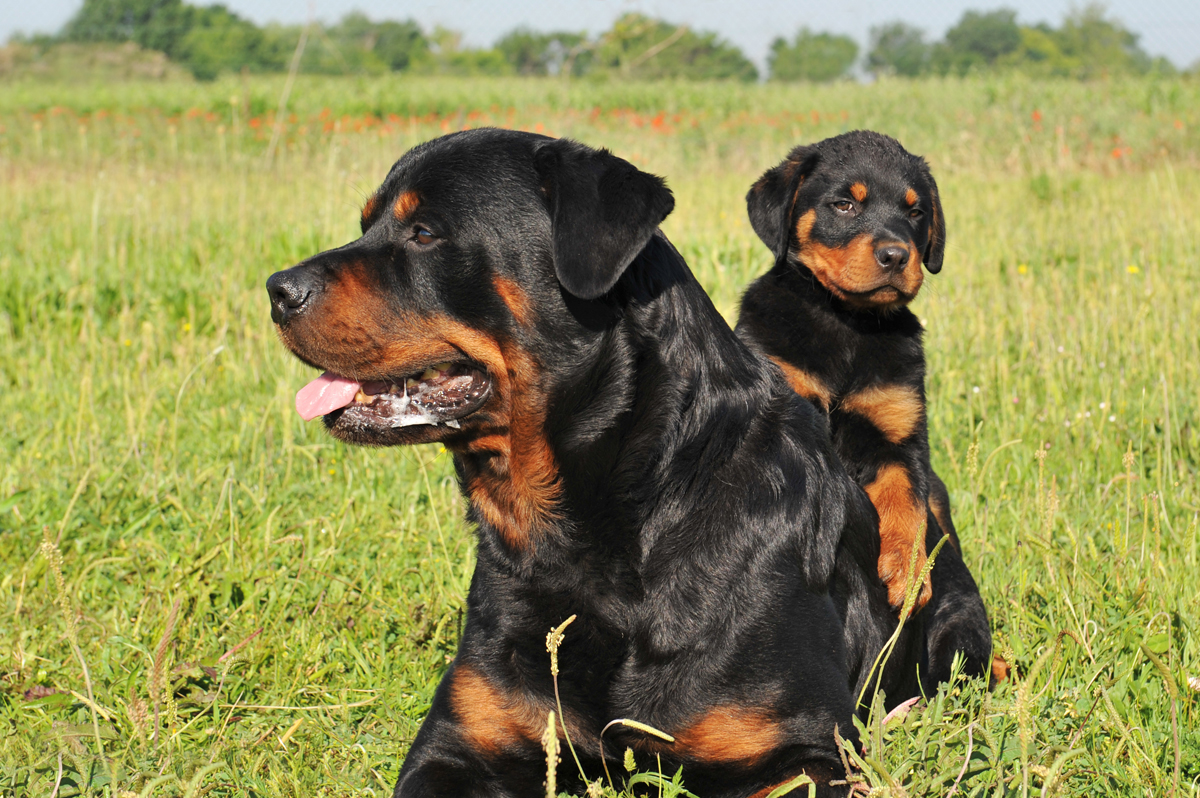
x,y
439,394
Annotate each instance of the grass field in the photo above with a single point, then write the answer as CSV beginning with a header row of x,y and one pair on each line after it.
x,y
201,594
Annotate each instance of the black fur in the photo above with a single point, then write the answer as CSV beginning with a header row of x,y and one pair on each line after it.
x,y
719,561
604,211
848,344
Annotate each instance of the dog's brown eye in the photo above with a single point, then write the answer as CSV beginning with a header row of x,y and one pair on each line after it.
x,y
916,213
423,236
843,206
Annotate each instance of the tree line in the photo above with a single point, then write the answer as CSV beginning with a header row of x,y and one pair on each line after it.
x,y
209,40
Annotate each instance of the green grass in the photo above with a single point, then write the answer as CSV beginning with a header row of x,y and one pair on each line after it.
x,y
263,611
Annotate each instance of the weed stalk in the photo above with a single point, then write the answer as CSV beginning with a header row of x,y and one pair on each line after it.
x,y
554,639
54,559
550,744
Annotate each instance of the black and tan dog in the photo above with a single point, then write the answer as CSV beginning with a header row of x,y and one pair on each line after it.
x,y
627,460
850,220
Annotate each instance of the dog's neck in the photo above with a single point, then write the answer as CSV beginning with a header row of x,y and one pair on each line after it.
x,y
659,440
788,315
651,432
671,365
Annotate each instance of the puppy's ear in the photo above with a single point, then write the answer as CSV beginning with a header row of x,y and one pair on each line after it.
x,y
936,248
771,199
603,210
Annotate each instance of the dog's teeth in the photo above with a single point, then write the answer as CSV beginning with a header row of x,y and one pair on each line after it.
x,y
453,423
411,382
394,388
430,373
443,366
365,398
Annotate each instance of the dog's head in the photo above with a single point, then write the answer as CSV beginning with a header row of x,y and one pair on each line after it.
x,y
479,288
859,212
470,250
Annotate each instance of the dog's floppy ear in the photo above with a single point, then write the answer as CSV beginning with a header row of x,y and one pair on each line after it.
x,y
603,210
936,248
771,198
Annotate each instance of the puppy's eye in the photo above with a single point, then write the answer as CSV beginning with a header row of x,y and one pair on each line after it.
x,y
424,236
916,213
843,206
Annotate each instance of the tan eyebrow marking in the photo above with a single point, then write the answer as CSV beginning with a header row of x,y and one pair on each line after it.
x,y
911,197
369,207
859,191
406,203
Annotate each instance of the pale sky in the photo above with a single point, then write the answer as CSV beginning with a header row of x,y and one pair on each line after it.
x,y
1167,27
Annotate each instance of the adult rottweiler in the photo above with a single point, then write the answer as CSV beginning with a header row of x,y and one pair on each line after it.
x,y
627,460
850,221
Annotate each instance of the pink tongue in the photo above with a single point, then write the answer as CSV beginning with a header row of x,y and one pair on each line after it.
x,y
324,395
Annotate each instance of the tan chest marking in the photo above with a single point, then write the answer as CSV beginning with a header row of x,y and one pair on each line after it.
x,y
805,383
895,410
494,721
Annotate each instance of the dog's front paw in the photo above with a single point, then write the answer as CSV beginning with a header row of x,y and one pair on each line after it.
x,y
894,570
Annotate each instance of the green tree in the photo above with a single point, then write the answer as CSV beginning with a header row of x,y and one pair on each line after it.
x,y
355,45
220,41
977,42
450,57
1100,46
533,53
154,24
400,44
641,47
898,49
812,56
205,39
377,46
1039,54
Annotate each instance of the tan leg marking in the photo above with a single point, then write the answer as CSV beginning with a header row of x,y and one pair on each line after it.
x,y
941,514
730,734
1000,669
901,527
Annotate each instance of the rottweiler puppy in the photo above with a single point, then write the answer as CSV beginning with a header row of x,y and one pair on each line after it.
x,y
850,220
626,460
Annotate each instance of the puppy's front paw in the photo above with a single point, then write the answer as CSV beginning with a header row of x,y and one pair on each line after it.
x,y
895,573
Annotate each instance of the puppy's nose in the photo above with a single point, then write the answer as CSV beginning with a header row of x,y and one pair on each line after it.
x,y
892,257
290,291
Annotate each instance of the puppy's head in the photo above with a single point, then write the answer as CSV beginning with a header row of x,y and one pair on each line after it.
x,y
859,212
437,324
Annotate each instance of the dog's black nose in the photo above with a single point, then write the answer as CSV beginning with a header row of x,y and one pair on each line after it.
x,y
891,257
289,290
